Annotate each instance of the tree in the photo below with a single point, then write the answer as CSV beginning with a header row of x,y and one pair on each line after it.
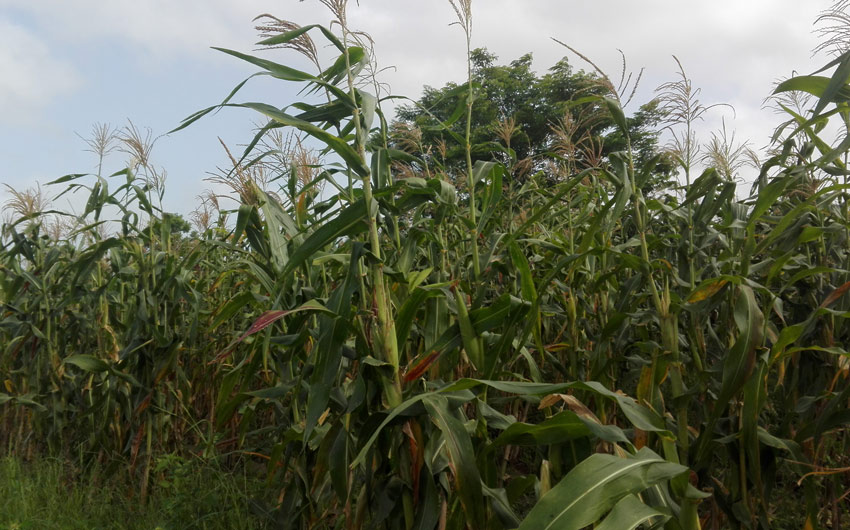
x,y
520,115
169,225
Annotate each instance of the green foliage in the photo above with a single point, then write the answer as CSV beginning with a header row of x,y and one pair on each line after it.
x,y
521,115
173,223
48,493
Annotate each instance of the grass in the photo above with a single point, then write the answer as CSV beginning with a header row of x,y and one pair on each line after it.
x,y
55,494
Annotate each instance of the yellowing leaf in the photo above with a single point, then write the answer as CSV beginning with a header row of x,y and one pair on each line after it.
x,y
707,290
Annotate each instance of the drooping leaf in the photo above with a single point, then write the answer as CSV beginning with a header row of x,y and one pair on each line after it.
x,y
594,487
629,513
88,363
561,427
462,455
333,329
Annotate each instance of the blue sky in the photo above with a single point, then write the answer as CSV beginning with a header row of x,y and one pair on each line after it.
x,y
67,64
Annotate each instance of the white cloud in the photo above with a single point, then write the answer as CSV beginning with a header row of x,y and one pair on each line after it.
x,y
31,76
733,49
722,38
161,28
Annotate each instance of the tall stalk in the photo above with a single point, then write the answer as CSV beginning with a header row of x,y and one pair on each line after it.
x,y
463,11
386,324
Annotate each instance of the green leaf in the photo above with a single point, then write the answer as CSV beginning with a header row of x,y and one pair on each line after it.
x,y
335,143
337,71
88,363
547,208
333,330
229,309
502,506
837,84
504,309
767,196
640,416
594,487
462,456
94,253
738,364
787,336
561,427
350,221
526,280
394,413
778,443
407,312
275,392
812,84
25,400
617,114
278,224
277,70
470,339
289,36
494,172
381,168
630,513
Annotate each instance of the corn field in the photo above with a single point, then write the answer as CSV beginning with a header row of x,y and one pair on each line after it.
x,y
405,345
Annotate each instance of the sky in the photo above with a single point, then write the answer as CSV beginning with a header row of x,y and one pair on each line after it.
x,y
66,65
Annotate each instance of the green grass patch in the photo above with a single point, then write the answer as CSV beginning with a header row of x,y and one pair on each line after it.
x,y
56,494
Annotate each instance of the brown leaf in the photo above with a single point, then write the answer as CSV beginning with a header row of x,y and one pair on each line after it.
x,y
416,371
572,403
835,295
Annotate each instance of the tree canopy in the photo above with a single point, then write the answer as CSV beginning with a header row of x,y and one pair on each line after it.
x,y
520,114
